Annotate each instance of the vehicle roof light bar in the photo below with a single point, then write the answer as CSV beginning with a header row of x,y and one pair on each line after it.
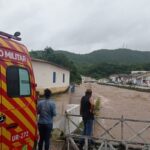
x,y
15,36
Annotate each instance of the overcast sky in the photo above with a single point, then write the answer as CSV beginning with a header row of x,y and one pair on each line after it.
x,y
79,26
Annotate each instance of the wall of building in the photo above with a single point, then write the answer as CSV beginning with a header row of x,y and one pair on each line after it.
x,y
43,73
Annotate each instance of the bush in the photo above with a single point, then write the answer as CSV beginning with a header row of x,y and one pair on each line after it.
x,y
57,134
97,106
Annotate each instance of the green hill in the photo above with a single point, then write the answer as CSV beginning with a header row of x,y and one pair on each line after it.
x,y
99,63
102,63
121,56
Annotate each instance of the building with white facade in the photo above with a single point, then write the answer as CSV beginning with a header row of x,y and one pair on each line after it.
x,y
103,80
143,79
50,75
87,79
138,72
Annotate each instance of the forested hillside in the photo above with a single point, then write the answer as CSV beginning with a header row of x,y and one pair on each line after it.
x,y
102,63
121,56
99,63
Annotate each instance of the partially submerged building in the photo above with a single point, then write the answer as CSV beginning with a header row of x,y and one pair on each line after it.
x,y
120,78
139,78
51,76
143,79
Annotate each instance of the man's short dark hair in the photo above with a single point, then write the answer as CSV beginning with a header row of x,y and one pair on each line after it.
x,y
47,93
88,92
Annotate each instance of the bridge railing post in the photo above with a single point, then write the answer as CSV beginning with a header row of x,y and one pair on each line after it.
x,y
86,143
122,127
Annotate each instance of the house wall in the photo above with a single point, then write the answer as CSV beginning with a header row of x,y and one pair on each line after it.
x,y
43,73
113,79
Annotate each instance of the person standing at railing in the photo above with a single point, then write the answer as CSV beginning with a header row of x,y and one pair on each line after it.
x,y
87,113
47,110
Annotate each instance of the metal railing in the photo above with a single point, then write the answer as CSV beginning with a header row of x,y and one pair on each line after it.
x,y
110,133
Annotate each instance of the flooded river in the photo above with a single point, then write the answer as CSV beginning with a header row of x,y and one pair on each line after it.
x,y
115,102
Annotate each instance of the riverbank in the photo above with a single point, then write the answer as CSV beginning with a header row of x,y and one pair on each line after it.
x,y
130,87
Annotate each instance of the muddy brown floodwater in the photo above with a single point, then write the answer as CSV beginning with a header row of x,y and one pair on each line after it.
x,y
118,101
115,102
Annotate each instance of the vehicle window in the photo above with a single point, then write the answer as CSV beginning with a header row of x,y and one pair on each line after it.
x,y
18,82
12,78
24,82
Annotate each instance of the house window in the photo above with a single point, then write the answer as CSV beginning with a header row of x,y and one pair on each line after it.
x,y
63,77
54,77
18,82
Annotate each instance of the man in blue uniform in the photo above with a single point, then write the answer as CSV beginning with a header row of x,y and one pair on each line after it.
x,y
47,110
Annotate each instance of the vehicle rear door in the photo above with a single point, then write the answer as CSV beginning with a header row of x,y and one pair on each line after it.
x,y
1,114
15,87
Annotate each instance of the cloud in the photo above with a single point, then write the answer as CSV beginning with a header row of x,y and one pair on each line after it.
x,y
78,26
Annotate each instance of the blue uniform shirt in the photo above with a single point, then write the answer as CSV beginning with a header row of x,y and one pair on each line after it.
x,y
46,110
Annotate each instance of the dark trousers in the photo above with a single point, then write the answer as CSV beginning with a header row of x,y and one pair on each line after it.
x,y
87,130
45,132
88,127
